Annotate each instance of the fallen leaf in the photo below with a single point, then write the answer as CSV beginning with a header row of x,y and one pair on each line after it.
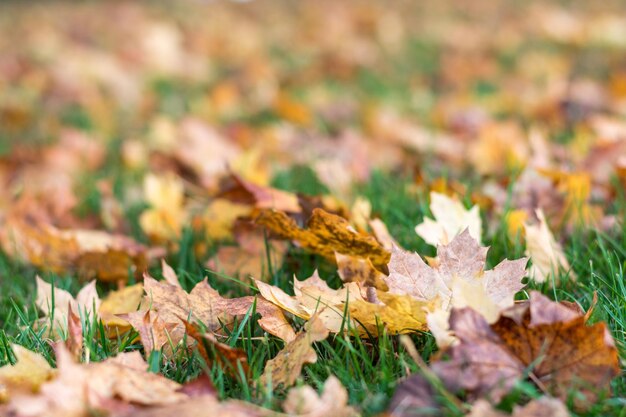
x,y
29,372
239,190
90,253
325,235
451,218
457,280
542,407
153,332
286,367
122,301
219,218
171,304
169,274
255,256
360,213
163,221
116,383
313,297
272,319
74,342
396,313
545,252
382,234
542,337
333,401
361,271
58,303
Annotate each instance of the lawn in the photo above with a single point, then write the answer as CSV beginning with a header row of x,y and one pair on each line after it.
x,y
250,143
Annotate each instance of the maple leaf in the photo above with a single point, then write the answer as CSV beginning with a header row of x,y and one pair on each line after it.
x,y
361,271
115,304
545,252
171,305
548,340
541,407
241,191
116,384
325,235
300,402
154,333
457,279
219,218
286,367
119,302
313,296
381,232
91,253
205,151
164,219
58,303
451,218
29,372
250,257
304,401
398,313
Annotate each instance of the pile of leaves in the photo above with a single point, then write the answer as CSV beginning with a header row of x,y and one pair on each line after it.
x,y
230,209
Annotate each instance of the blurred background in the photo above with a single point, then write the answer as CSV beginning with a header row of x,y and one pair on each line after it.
x,y
93,95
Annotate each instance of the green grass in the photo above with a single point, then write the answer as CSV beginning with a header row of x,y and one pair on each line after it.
x,y
370,368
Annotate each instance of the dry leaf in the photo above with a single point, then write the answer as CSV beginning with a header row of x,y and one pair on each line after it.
x,y
325,235
286,367
457,280
219,218
542,407
272,318
313,296
115,384
547,338
255,256
29,372
451,218
171,303
396,313
382,234
361,271
91,253
74,342
122,301
164,219
60,303
153,332
545,252
305,402
241,191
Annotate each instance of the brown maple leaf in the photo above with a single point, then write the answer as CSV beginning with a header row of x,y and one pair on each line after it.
x,y
326,234
171,304
114,385
239,190
286,367
548,340
91,253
